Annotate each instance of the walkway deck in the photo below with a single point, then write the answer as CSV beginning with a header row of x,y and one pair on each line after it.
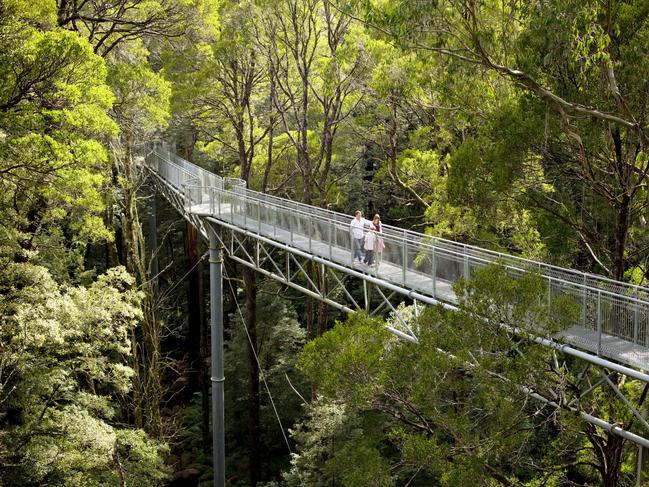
x,y
614,322
610,346
340,255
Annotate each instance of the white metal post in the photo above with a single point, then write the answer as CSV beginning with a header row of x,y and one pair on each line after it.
x,y
217,378
434,272
635,317
404,257
330,232
599,322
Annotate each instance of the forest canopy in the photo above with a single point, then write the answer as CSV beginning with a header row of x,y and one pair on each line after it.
x,y
519,127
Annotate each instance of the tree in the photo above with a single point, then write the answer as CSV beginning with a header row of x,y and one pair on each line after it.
x,y
451,410
239,83
141,108
61,364
122,34
64,363
318,68
279,336
53,118
107,25
578,63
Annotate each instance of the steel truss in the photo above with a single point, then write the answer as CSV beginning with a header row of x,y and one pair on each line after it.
x,y
292,269
289,266
597,378
177,200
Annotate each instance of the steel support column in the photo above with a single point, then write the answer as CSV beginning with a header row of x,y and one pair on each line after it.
x,y
640,466
216,327
643,454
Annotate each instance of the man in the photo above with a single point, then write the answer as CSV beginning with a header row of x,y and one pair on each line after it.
x,y
356,230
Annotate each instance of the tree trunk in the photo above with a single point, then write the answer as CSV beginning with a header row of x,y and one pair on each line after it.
x,y
621,231
271,133
147,382
303,154
112,253
322,314
253,381
328,144
195,305
309,311
242,155
611,473
205,385
608,451
196,332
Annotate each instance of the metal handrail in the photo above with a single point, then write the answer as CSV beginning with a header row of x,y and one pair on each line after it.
x,y
416,235
608,306
250,196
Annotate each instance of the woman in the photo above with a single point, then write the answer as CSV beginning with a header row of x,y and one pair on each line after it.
x,y
374,240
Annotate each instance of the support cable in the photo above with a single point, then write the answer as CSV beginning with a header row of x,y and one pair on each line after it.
x,y
261,372
167,291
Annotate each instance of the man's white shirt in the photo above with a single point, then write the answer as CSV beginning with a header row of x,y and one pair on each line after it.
x,y
357,226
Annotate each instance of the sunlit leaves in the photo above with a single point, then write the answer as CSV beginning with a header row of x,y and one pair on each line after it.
x,y
445,410
142,95
54,113
62,362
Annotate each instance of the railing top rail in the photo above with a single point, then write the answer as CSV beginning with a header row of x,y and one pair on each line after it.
x,y
419,238
431,246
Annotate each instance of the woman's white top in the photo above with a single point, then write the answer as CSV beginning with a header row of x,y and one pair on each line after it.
x,y
370,238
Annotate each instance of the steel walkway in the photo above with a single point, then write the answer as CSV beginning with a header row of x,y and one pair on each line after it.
x,y
614,317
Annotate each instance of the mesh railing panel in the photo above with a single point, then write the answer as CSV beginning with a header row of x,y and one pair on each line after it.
x,y
413,260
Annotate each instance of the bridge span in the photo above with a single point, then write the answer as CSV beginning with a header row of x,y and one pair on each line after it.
x,y
614,316
610,335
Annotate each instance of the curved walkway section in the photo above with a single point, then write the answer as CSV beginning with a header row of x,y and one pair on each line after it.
x,y
614,319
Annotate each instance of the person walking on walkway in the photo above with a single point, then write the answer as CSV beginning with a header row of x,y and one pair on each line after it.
x,y
370,242
357,233
374,241
380,245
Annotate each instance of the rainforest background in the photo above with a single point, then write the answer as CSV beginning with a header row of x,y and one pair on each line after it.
x,y
516,126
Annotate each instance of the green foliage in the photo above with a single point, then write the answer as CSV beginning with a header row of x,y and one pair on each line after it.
x,y
491,175
63,362
280,339
375,471
317,435
352,354
142,95
446,116
447,411
508,297
190,437
142,458
41,13
53,116
536,104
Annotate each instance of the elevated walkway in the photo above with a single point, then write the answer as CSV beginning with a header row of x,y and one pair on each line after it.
x,y
614,318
